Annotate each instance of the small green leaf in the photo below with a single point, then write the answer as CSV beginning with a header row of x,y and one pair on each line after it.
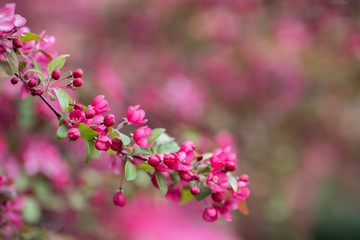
x,y
164,138
206,155
145,167
88,152
62,121
90,147
86,132
62,131
13,61
36,64
31,36
141,151
130,171
156,132
203,192
232,180
64,99
186,195
175,178
39,73
31,211
5,70
125,139
57,63
52,97
161,180
169,147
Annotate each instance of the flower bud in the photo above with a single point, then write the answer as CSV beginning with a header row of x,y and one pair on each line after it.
x,y
172,161
74,134
109,120
78,73
116,144
119,199
230,166
244,178
210,214
55,74
78,106
200,157
14,80
195,190
32,83
90,113
39,92
17,43
154,160
186,175
78,82
217,197
196,177
103,143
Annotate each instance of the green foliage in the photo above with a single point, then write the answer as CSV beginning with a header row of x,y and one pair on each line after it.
x,y
156,132
125,139
141,151
169,147
186,195
161,180
13,61
232,180
31,211
86,132
31,36
203,192
91,151
130,171
63,98
62,131
57,63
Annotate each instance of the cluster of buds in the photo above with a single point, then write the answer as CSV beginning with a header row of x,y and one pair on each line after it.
x,y
173,169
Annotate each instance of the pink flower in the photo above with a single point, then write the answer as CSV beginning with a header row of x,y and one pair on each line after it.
x,y
141,135
210,214
195,190
135,115
116,144
9,20
188,147
242,191
119,199
171,161
223,158
100,104
217,181
225,209
103,143
76,117
184,162
74,134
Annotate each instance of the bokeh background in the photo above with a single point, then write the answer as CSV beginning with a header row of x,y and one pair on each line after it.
x,y
279,79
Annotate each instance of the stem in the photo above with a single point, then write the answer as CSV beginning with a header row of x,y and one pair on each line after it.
x,y
58,115
122,124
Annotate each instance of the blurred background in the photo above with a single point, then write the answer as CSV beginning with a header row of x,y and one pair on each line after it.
x,y
279,79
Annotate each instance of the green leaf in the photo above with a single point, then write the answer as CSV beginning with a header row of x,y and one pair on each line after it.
x,y
86,132
130,171
57,63
164,138
31,211
36,64
39,73
156,132
232,180
13,61
203,192
206,155
169,147
141,151
31,36
62,121
175,178
90,147
5,70
161,180
64,99
62,131
52,97
145,167
186,195
88,152
125,139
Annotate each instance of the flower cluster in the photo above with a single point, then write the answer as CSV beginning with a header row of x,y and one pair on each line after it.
x,y
174,169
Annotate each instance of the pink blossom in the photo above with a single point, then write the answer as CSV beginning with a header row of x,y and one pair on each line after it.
x,y
225,209
100,104
171,161
217,181
223,157
76,117
103,143
141,135
188,147
242,191
74,134
135,115
184,161
9,20
210,214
